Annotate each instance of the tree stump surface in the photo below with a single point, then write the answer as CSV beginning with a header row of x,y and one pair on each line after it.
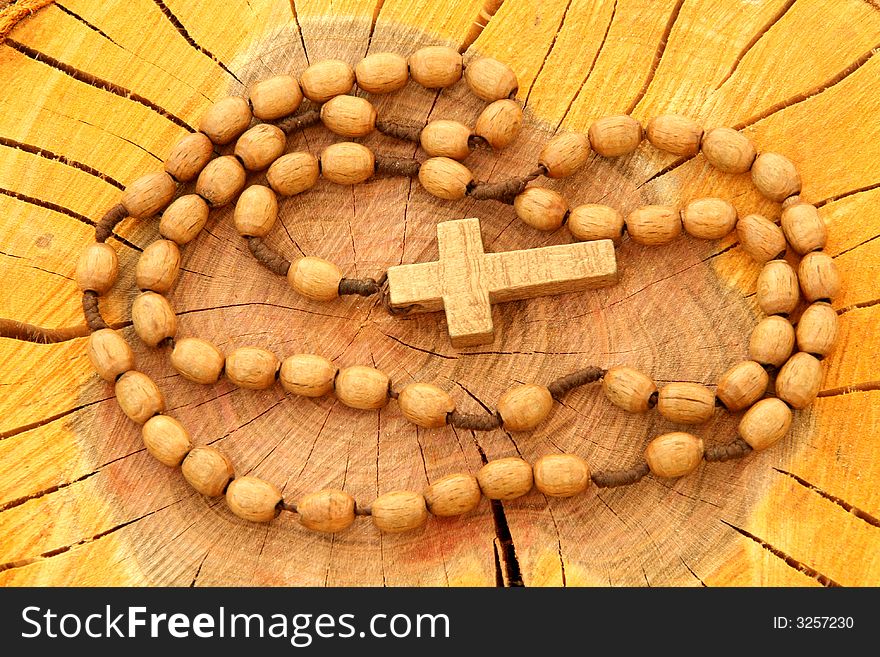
x,y
93,95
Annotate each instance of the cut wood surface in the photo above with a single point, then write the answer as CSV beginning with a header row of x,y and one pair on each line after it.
x,y
94,93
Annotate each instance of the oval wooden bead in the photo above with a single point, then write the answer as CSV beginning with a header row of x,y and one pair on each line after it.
x,y
595,222
253,499
612,136
399,511
349,116
442,138
505,479
258,147
490,79
293,173
153,318
322,81
256,211
499,123
728,150
541,208
148,194
166,440
184,219
675,134
226,119
251,367
314,278
221,180
308,375
347,163
435,67
816,329
709,218
382,73
742,385
523,407
138,396
109,354
775,176
674,454
772,341
761,238
327,511
362,387
425,405
686,403
561,475
97,268
804,228
765,423
799,380
629,389
654,224
445,178
189,156
158,266
275,97
565,154
777,292
453,495
819,277
197,360
208,470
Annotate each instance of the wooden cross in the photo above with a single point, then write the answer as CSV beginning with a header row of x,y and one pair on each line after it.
x,y
466,281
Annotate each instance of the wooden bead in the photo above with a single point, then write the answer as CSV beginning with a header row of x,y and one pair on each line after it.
x,y
453,495
197,360
109,354
775,176
314,278
596,222
675,134
561,475
347,163
674,454
425,405
399,511
251,367
275,97
771,341
490,79
819,277
184,219
612,136
442,138
541,208
158,266
253,499
799,380
189,156
293,173
307,375
138,396
226,119
686,403
500,123
221,180
505,479
258,147
565,154
742,385
445,178
362,387
629,389
523,407
777,292
817,329
804,228
728,150
322,81
709,218
97,268
153,318
382,73
435,67
148,194
327,511
256,211
654,224
761,238
208,470
765,423
349,116
166,440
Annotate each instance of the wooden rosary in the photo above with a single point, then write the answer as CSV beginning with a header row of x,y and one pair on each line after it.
x,y
464,282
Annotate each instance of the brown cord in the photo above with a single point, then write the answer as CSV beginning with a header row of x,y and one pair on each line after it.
x,y
397,166
400,129
267,257
363,510
93,314
735,450
10,328
474,421
504,190
299,121
562,385
365,287
287,506
615,478
104,228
